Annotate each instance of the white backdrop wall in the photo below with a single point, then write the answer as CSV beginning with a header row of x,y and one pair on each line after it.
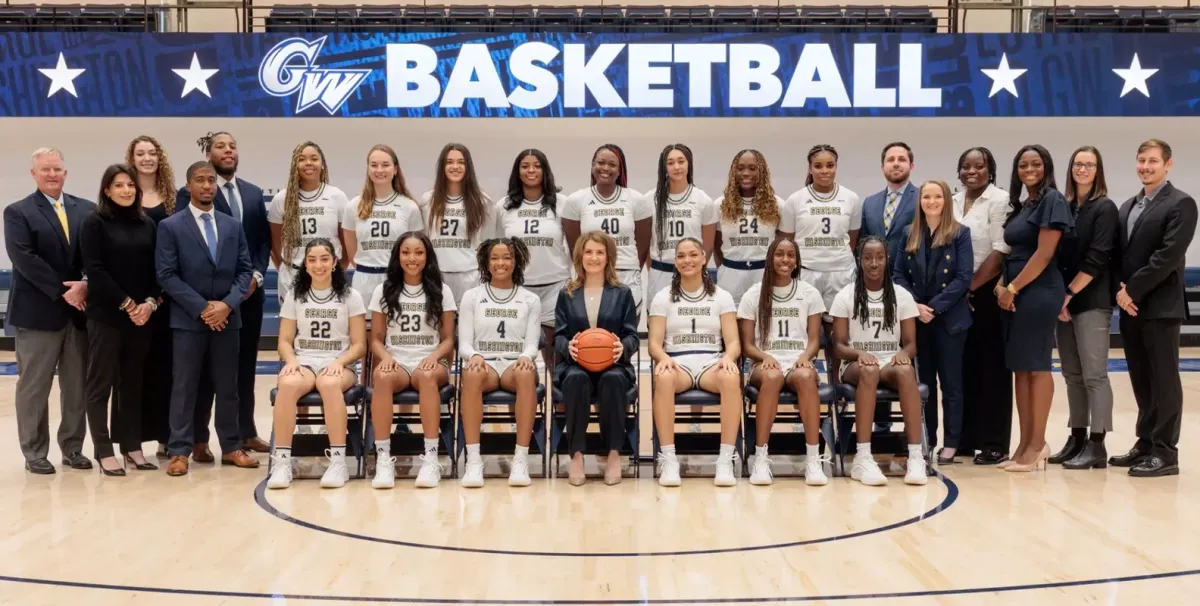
x,y
266,145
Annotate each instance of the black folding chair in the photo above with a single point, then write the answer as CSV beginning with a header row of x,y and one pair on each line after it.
x,y
789,412
890,442
406,413
595,445
309,411
709,412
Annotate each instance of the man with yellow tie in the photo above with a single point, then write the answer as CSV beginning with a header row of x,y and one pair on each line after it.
x,y
45,306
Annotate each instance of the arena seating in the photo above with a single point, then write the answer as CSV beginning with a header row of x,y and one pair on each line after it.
x,y
60,18
1111,20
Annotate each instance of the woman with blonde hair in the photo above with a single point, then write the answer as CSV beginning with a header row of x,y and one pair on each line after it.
x,y
936,268
307,208
374,219
750,218
595,299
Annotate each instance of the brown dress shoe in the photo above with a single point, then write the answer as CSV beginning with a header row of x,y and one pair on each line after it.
x,y
201,454
178,466
240,459
257,445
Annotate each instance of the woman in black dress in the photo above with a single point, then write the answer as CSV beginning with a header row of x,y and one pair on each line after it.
x,y
1031,291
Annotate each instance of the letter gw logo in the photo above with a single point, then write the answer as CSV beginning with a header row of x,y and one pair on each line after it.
x,y
291,66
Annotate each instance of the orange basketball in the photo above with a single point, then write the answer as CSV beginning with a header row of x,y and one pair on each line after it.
x,y
596,349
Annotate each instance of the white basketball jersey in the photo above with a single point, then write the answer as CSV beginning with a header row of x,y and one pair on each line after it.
x,y
541,231
499,324
694,321
822,224
614,216
686,215
322,324
455,248
791,307
320,217
874,338
377,234
748,238
410,336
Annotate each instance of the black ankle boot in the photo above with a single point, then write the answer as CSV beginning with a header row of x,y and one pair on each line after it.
x,y
1094,456
1074,446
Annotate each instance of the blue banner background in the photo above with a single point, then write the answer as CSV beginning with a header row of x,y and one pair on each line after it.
x,y
132,74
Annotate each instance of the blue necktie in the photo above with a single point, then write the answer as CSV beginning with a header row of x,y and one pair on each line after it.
x,y
233,201
210,234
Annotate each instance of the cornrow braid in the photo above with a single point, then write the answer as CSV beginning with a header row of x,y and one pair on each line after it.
x,y
164,177
766,207
205,142
705,276
291,200
520,255
816,149
862,309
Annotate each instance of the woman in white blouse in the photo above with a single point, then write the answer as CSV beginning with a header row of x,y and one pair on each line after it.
x,y
987,383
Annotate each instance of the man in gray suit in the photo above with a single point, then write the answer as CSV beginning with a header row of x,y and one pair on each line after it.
x,y
41,235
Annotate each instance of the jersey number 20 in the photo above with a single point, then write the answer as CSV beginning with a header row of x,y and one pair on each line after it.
x,y
381,229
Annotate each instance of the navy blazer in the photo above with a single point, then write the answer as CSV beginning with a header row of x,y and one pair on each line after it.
x,y
190,277
254,219
945,287
42,260
618,315
872,217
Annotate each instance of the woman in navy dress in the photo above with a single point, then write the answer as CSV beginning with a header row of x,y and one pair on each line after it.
x,y
1031,292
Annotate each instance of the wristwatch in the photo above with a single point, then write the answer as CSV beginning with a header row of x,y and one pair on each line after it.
x,y
1010,288
1071,292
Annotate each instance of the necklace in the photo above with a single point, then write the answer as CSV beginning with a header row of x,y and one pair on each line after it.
x,y
601,199
413,295
683,294
492,294
673,199
313,298
787,297
816,195
314,197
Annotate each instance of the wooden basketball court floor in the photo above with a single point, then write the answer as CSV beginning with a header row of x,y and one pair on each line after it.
x,y
973,536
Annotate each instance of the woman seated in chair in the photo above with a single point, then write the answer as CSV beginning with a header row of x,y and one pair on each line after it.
x,y
779,320
690,325
595,299
866,315
322,333
498,331
412,337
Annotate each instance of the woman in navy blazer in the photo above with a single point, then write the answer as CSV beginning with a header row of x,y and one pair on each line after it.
x,y
936,267
595,299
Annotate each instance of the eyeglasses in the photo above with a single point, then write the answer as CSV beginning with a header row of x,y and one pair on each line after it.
x,y
1085,165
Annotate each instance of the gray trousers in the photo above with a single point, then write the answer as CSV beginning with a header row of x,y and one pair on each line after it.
x,y
1083,349
39,354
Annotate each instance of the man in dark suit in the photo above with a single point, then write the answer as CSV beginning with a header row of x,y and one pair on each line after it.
x,y
203,264
1155,230
41,235
243,201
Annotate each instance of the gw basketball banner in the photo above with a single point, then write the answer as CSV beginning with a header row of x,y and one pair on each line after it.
x,y
605,75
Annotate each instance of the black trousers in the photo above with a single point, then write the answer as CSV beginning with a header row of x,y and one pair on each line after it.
x,y
940,361
192,350
987,382
251,311
1152,353
156,378
115,361
610,389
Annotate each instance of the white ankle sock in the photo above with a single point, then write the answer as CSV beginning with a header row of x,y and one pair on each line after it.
x,y
864,449
668,451
915,451
760,451
384,448
284,452
337,452
431,445
521,452
812,451
726,451
473,453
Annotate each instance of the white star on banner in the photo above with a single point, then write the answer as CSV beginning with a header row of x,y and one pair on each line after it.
x,y
195,77
1003,77
61,77
1135,77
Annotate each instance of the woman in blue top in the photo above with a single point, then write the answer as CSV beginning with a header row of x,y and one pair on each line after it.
x,y
1031,293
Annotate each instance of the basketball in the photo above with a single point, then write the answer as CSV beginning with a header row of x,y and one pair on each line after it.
x,y
596,349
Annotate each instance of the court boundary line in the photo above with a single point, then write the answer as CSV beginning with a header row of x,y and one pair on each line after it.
x,y
951,497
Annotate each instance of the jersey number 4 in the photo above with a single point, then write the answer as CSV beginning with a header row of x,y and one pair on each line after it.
x,y
611,226
320,330
500,329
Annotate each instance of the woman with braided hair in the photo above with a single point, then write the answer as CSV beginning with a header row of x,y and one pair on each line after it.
x,y
694,344
681,210
866,316
750,217
458,218
498,332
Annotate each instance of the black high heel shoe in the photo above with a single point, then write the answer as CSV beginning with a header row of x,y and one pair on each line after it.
x,y
147,466
118,472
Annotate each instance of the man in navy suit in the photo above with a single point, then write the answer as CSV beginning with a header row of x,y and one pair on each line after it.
x,y
203,264
243,201
41,235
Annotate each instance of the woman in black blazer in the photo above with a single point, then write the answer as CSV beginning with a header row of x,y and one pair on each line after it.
x,y
595,299
936,268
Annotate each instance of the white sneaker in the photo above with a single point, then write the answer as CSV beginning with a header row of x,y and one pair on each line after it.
x,y
431,471
760,473
472,475
336,475
814,470
668,471
916,472
519,474
385,473
867,471
281,472
725,475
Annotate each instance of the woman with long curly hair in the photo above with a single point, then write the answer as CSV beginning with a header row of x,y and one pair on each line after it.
x,y
412,337
322,333
498,332
307,208
681,210
750,218
458,218
373,220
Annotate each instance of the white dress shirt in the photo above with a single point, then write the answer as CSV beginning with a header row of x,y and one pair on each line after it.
x,y
986,221
199,216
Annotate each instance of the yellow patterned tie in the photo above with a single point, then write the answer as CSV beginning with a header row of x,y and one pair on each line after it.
x,y
889,211
62,218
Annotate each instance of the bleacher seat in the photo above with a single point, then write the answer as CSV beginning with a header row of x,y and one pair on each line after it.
x,y
515,18
557,19
327,19
469,19
17,18
309,412
779,18
379,19
600,19
869,18
646,18
290,19
823,18
1183,19
1143,21
913,19
690,19
733,19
